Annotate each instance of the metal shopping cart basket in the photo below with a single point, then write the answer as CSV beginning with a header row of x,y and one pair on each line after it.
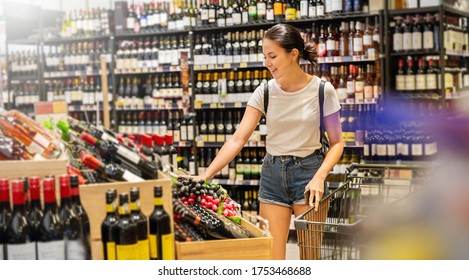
x,y
335,231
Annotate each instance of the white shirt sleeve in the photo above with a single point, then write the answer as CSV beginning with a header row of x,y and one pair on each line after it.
x,y
257,98
331,100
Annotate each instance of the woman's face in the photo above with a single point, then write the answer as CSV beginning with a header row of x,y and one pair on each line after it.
x,y
277,59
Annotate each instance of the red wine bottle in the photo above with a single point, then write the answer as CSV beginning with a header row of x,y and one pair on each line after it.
x,y
110,172
73,230
142,224
51,245
5,212
35,213
171,151
81,212
161,236
18,234
105,148
108,226
126,232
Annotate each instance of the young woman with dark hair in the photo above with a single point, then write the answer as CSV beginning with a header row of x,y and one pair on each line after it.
x,y
293,163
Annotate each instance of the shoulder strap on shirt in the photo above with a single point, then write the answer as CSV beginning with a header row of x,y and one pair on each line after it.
x,y
266,97
321,103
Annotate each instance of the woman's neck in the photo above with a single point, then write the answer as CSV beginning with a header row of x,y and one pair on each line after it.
x,y
294,81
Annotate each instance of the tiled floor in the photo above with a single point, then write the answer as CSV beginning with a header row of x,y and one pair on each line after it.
x,y
293,252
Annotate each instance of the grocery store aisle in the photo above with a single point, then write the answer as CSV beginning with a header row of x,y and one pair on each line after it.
x,y
293,252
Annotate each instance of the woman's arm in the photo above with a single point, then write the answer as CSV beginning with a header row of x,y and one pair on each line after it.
x,y
334,133
232,147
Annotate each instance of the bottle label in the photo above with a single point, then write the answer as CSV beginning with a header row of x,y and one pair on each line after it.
x,y
144,249
167,246
428,40
237,18
247,168
41,140
322,49
366,150
342,94
405,149
153,246
270,15
261,9
1,252
51,250
111,250
431,149
381,149
351,87
431,82
397,42
367,40
400,82
278,8
417,150
290,14
130,177
336,5
357,44
417,40
192,168
391,150
368,91
407,41
127,154
25,251
420,82
127,252
75,250
320,10
312,11
330,45
373,149
359,86
35,148
410,82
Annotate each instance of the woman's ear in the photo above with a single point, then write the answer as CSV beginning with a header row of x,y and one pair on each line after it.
x,y
294,54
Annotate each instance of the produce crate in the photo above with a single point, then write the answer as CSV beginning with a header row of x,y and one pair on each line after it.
x,y
13,169
93,199
257,248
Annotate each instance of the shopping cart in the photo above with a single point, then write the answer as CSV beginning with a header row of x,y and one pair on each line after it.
x,y
335,231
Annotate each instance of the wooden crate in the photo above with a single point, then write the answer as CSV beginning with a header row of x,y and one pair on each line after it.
x,y
93,199
258,248
13,169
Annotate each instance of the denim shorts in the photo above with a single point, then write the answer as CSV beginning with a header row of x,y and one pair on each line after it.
x,y
284,178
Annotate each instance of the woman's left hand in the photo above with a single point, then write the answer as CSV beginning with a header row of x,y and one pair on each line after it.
x,y
316,190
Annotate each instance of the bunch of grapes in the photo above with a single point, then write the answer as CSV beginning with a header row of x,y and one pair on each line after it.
x,y
208,195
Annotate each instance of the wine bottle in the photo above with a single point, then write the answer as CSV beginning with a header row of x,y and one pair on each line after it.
x,y
81,212
171,151
126,232
19,245
51,245
161,236
142,224
73,230
5,212
35,213
108,148
111,172
108,226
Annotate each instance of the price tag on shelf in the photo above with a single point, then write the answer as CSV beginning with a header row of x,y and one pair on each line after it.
x,y
230,182
238,105
203,67
357,58
320,59
349,101
239,182
337,59
243,64
211,66
329,59
254,182
369,100
227,66
215,181
221,105
213,105
199,143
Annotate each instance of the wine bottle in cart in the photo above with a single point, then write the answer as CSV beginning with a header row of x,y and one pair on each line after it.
x,y
107,148
19,245
5,212
161,235
35,213
110,172
50,245
108,226
126,232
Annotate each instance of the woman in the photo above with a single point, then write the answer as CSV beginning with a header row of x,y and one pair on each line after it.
x,y
293,163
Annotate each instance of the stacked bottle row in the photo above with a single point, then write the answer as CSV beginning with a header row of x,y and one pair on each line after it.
x,y
227,87
159,91
42,230
79,56
356,121
90,22
76,91
26,93
417,33
246,166
31,140
354,38
180,15
161,122
23,64
143,55
407,144
127,234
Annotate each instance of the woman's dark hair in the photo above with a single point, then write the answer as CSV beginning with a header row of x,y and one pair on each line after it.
x,y
289,38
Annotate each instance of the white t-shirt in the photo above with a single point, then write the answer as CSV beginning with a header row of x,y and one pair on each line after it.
x,y
293,117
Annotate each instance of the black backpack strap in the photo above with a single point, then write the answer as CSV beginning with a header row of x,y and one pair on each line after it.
x,y
321,103
266,97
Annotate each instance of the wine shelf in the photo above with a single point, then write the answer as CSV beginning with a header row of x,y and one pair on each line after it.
x,y
158,33
72,74
159,70
235,105
58,41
